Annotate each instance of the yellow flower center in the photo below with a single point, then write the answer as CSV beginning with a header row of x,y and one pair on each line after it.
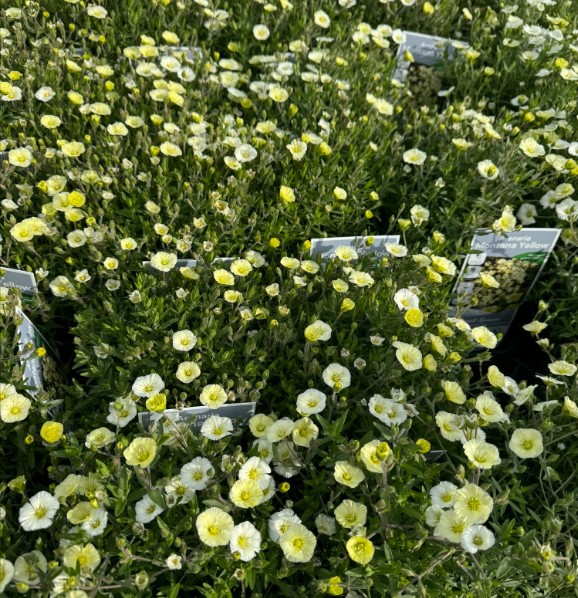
x,y
242,541
40,512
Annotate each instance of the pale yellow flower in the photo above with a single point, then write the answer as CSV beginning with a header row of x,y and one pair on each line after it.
x,y
141,452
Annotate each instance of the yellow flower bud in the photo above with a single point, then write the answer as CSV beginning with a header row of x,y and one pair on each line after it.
x,y
347,305
454,357
157,403
414,317
51,432
430,363
424,445
560,63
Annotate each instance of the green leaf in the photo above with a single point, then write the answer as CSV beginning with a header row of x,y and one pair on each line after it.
x,y
504,567
174,591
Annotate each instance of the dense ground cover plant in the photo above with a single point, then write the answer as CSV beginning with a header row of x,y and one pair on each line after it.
x,y
389,455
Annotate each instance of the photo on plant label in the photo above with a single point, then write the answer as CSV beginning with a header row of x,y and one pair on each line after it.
x,y
427,85
502,283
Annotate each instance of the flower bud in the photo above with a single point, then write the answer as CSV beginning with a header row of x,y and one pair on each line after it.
x,y
141,580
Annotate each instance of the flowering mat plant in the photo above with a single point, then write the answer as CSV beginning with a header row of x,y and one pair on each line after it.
x,y
216,411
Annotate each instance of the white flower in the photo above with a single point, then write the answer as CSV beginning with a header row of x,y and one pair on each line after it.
x,y
477,537
98,12
298,544
361,279
39,512
311,401
321,18
121,412
96,523
526,443
261,32
451,526
187,372
526,214
484,337
405,299
297,148
433,515
174,562
489,409
6,390
346,253
280,429
450,426
163,261
336,376
419,215
27,568
567,210
245,153
481,454
396,250
146,510
213,396
147,386
245,540
6,573
414,156
177,492
256,470
44,94
217,427
562,368
184,340
197,473
280,522
442,495
387,410
325,525
318,331
14,408
488,169
531,147
408,356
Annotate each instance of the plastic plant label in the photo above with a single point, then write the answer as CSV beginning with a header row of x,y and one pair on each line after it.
x,y
18,279
426,50
500,272
197,416
30,336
